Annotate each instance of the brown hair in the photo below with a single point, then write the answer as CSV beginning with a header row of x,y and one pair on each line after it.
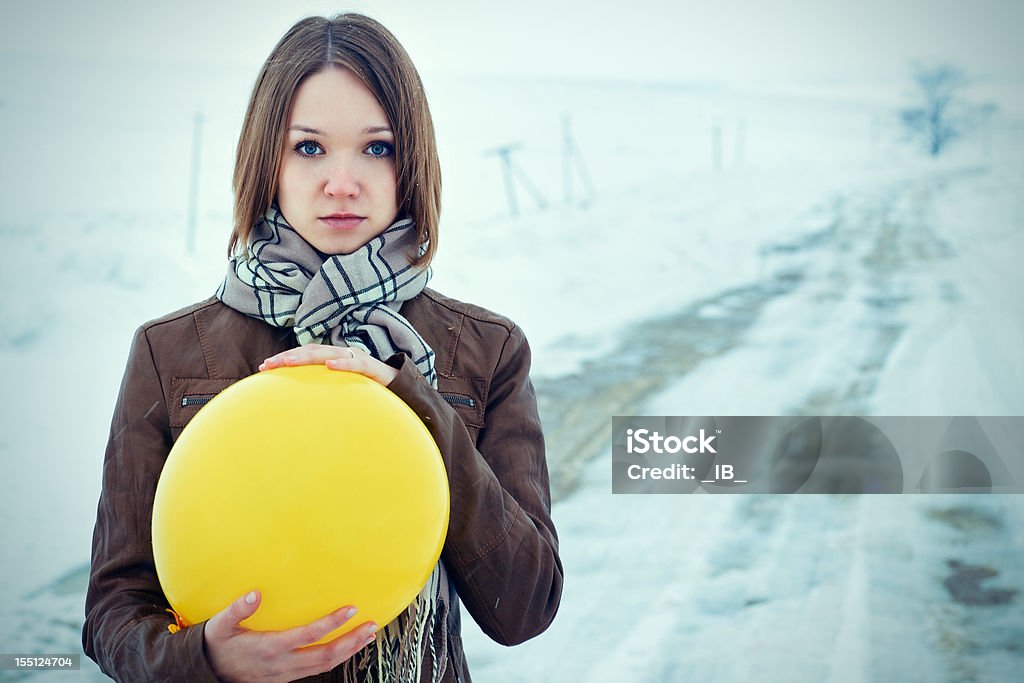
x,y
367,48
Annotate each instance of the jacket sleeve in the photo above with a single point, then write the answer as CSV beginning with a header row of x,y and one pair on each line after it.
x,y
125,629
501,549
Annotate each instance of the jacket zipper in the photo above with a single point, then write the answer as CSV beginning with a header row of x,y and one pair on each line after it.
x,y
456,399
197,400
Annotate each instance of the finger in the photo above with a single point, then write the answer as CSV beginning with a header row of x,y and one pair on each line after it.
x,y
240,609
325,657
304,355
365,364
349,362
298,353
300,636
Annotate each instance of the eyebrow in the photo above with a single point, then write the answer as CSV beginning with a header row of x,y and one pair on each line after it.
x,y
370,130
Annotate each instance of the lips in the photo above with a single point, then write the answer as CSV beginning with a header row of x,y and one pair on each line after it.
x,y
342,221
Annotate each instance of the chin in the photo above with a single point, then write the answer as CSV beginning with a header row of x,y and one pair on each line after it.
x,y
334,249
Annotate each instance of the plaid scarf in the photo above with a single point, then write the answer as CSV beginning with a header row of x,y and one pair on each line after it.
x,y
349,300
345,300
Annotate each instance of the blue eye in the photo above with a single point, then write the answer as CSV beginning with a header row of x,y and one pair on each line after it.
x,y
379,149
309,148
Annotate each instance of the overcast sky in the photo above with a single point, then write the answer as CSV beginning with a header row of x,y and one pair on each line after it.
x,y
663,40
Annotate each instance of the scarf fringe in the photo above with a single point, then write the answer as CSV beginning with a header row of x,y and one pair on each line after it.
x,y
396,655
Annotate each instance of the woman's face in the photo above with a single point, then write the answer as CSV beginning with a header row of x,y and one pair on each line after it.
x,y
336,184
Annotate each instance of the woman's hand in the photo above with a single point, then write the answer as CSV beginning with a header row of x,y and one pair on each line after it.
x,y
237,654
336,358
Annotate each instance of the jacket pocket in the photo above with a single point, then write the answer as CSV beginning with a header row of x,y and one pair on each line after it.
x,y
190,394
464,395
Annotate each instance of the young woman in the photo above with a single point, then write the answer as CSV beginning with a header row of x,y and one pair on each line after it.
x,y
337,197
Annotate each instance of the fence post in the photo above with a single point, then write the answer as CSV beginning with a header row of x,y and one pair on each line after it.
x,y
741,142
716,145
193,194
571,154
510,171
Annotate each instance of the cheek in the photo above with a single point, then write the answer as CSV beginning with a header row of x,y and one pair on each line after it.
x,y
385,186
294,180
284,178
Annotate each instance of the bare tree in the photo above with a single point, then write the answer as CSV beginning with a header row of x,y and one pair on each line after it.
x,y
943,115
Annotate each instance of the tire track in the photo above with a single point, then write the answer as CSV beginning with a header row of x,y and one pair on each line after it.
x,y
868,247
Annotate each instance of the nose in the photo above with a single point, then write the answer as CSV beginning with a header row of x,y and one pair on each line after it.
x,y
341,181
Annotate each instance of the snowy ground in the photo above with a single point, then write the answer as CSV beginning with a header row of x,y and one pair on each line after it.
x,y
821,269
903,305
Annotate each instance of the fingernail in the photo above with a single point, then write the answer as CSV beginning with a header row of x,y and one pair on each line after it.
x,y
251,598
373,628
351,612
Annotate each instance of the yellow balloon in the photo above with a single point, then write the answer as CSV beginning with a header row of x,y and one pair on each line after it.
x,y
320,488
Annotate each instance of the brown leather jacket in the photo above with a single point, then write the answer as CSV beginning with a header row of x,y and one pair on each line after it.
x,y
501,551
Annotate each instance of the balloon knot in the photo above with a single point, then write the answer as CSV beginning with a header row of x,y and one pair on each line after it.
x,y
179,622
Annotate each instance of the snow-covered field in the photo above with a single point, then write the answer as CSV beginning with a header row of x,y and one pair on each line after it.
x,y
906,302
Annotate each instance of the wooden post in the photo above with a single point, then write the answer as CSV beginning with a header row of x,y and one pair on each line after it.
x,y
741,143
571,155
510,171
716,145
193,194
506,173
566,159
